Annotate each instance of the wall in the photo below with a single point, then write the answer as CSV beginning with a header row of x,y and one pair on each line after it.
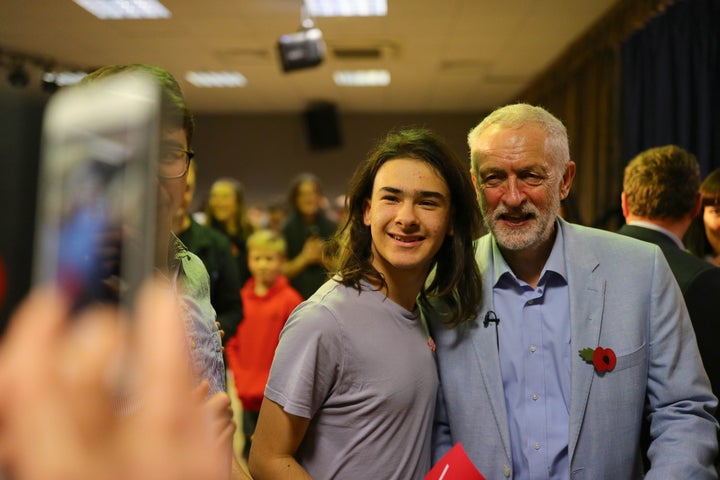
x,y
265,152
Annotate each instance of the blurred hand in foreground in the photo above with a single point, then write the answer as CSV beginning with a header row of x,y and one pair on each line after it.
x,y
59,375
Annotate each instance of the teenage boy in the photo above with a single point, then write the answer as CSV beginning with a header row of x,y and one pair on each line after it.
x,y
352,389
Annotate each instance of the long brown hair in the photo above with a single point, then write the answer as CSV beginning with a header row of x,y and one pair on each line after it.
x,y
456,280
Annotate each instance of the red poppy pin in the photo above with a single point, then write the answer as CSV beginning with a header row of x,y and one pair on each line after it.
x,y
431,344
603,359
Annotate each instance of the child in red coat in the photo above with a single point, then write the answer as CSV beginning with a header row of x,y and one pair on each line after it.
x,y
268,299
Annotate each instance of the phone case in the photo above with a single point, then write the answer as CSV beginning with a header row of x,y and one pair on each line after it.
x,y
97,189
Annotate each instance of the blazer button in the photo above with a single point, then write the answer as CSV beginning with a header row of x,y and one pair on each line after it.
x,y
506,471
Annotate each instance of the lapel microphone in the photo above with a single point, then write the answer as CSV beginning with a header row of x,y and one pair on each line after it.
x,y
490,317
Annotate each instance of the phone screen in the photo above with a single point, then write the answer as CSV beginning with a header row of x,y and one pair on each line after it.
x,y
97,190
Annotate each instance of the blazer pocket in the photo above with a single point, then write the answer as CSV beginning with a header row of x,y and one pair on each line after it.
x,y
632,359
578,474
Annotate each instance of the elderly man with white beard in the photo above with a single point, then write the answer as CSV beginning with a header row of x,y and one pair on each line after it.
x,y
582,333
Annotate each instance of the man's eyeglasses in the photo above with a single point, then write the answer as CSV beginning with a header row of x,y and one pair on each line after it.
x,y
173,162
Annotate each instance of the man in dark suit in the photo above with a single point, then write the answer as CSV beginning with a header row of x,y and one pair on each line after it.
x,y
659,200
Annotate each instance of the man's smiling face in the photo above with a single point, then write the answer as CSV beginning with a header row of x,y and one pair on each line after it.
x,y
519,185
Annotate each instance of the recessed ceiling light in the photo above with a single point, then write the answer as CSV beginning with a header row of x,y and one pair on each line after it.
x,y
216,79
124,9
347,8
362,78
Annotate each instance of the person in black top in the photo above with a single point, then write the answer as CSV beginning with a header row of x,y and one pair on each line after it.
x,y
306,231
226,212
214,250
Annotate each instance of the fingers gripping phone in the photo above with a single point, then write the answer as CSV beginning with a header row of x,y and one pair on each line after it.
x,y
97,189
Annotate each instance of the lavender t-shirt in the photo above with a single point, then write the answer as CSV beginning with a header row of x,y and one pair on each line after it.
x,y
359,366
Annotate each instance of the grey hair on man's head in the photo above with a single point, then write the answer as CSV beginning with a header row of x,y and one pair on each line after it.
x,y
519,115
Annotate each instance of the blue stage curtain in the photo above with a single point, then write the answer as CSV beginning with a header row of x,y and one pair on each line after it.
x,y
671,83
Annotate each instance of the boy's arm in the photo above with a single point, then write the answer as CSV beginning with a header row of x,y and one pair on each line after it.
x,y
276,439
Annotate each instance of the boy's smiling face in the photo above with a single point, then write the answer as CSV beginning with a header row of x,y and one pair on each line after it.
x,y
408,215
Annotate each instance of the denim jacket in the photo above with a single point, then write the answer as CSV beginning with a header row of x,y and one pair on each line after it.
x,y
203,337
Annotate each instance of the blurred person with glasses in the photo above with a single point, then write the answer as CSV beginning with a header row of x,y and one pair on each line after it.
x,y
185,270
174,161
173,419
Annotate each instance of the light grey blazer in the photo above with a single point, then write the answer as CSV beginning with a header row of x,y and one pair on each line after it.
x,y
622,296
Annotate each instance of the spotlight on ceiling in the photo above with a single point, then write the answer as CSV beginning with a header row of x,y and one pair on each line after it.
x,y
18,76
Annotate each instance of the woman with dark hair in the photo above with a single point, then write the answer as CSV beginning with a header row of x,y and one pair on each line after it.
x,y
703,236
306,232
352,389
226,211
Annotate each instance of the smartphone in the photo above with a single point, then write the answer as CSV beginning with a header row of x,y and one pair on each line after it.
x,y
95,230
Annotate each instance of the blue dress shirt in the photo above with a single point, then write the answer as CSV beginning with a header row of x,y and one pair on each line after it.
x,y
534,347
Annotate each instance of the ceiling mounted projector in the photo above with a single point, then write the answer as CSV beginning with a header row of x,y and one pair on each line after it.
x,y
303,49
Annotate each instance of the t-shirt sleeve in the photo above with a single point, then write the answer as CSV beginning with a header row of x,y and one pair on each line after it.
x,y
308,361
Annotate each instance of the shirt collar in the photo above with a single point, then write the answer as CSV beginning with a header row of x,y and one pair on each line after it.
x,y
658,228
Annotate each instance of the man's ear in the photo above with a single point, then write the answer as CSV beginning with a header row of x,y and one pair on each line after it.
x,y
624,205
698,206
475,184
366,212
567,180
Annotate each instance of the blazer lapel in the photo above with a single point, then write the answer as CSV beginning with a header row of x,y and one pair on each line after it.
x,y
485,343
587,294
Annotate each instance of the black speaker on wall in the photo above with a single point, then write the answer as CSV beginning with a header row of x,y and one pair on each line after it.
x,y
322,125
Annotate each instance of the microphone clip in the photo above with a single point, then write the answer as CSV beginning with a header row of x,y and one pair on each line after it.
x,y
490,317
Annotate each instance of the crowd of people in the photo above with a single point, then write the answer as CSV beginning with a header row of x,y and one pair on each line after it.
x,y
369,344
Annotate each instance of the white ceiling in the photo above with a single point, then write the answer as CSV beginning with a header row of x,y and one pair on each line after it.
x,y
443,55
